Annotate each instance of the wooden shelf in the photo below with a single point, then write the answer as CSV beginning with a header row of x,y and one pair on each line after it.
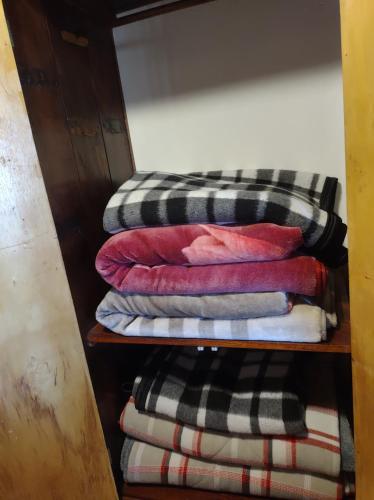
x,y
156,492
339,341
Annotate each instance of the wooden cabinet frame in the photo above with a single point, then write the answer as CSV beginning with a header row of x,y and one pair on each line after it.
x,y
357,29
58,425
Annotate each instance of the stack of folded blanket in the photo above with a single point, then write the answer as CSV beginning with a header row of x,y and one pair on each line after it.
x,y
249,422
283,197
237,255
220,281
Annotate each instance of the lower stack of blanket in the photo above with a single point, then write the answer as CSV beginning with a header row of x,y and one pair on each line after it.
x,y
251,422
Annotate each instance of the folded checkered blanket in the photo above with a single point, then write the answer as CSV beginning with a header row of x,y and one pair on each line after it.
x,y
283,197
144,463
318,451
231,391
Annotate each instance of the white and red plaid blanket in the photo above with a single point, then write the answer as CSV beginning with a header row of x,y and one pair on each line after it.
x,y
144,463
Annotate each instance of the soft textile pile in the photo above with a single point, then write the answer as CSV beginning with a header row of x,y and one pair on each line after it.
x,y
246,316
235,255
174,260
204,280
284,197
207,281
235,421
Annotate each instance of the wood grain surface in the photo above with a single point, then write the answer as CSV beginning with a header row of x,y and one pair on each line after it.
x,y
74,101
339,341
51,442
157,10
108,90
155,492
358,75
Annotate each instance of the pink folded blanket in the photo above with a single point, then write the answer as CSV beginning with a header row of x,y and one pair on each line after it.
x,y
199,244
183,260
303,275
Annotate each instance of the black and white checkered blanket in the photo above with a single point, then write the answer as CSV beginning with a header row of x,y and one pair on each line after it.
x,y
232,390
283,197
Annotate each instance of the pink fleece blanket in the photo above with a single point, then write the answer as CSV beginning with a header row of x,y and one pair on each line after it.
x,y
201,244
182,260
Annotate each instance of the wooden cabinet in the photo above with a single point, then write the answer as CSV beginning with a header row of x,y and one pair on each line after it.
x,y
51,442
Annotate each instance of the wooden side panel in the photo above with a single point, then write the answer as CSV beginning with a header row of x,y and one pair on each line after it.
x,y
357,17
51,443
111,107
73,96
47,113
46,109
83,123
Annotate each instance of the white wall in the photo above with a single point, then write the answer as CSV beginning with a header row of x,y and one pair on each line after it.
x,y
236,84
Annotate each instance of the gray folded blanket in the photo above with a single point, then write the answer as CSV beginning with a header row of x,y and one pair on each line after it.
x,y
305,323
246,316
221,306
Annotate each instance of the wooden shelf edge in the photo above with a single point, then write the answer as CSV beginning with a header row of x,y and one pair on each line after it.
x,y
148,12
157,492
339,341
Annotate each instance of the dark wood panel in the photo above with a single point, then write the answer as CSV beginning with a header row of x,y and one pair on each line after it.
x,y
45,106
157,11
68,101
83,122
46,109
107,86
124,5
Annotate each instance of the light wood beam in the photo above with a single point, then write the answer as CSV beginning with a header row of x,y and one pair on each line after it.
x,y
357,22
51,441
